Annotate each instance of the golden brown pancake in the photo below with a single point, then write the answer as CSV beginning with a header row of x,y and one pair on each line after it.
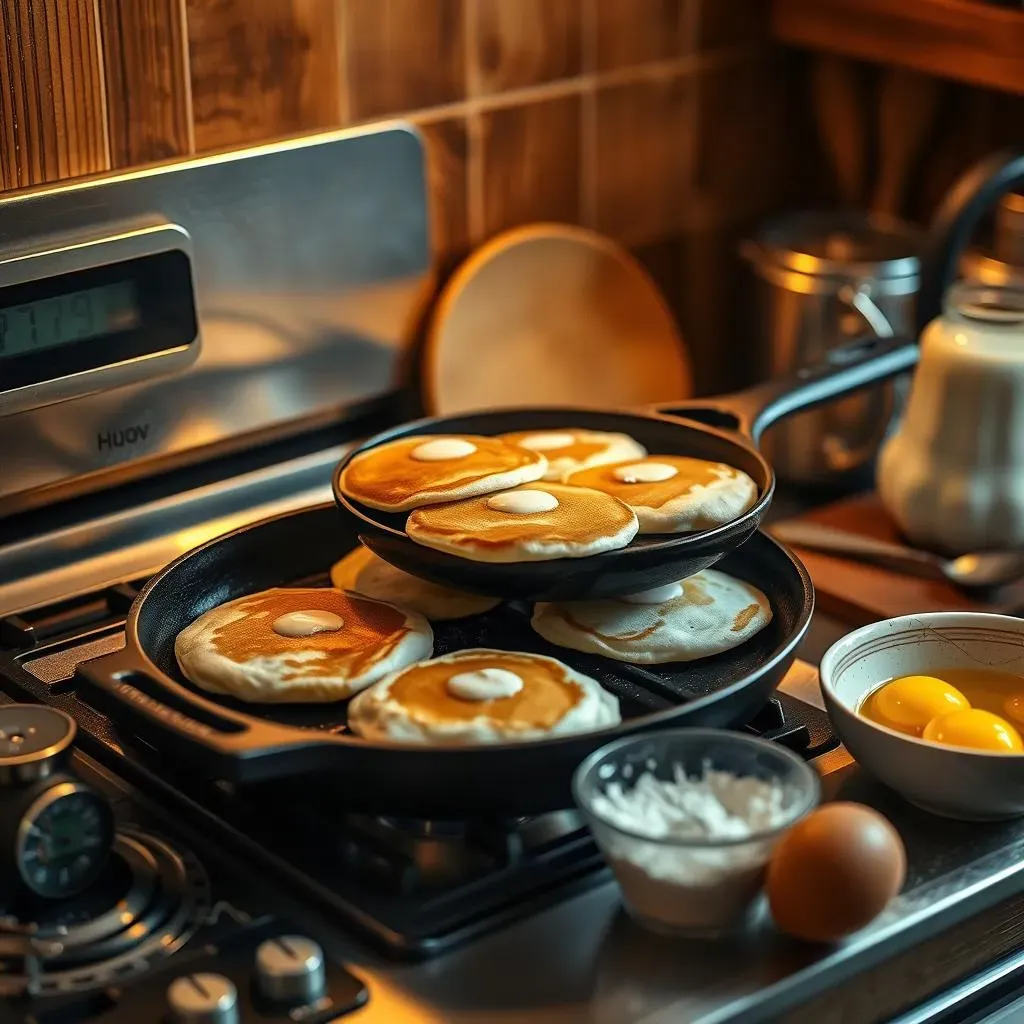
x,y
299,645
365,573
414,471
482,696
490,528
672,493
705,614
571,449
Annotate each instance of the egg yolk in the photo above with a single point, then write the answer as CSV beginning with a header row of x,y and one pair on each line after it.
x,y
974,728
908,704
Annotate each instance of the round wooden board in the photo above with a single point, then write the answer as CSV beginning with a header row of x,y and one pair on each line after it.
x,y
552,315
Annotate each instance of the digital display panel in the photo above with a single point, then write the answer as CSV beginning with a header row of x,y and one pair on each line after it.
x,y
97,316
69,318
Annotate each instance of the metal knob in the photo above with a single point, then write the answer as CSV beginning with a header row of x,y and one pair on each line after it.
x,y
290,969
203,999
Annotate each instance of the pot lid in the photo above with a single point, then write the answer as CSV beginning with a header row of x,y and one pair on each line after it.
x,y
842,244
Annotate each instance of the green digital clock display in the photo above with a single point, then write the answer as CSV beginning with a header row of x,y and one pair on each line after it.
x,y
69,318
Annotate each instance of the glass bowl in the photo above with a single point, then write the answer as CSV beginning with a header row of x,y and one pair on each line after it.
x,y
697,884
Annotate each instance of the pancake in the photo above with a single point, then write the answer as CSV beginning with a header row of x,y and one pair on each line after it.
x,y
571,449
672,493
429,469
365,573
299,645
562,522
482,696
706,614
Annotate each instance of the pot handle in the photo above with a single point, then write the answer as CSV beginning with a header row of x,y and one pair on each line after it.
x,y
858,298
974,194
847,368
180,722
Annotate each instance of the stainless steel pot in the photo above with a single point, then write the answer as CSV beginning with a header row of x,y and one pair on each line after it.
x,y
826,278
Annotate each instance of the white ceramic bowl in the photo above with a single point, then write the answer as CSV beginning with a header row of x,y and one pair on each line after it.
x,y
951,781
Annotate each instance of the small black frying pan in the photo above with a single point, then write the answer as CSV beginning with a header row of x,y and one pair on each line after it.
x,y
728,431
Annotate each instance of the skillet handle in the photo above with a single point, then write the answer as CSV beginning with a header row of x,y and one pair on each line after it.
x,y
187,726
847,368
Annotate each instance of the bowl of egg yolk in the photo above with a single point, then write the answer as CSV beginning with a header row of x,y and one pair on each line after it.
x,y
933,706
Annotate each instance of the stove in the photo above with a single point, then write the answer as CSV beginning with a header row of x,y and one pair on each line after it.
x,y
156,418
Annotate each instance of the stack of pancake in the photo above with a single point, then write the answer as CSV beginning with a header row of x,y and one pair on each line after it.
x,y
522,497
528,497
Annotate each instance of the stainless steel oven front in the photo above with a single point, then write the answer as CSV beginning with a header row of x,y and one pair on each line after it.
x,y
182,309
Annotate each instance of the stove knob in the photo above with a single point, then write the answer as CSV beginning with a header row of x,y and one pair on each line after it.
x,y
203,999
290,969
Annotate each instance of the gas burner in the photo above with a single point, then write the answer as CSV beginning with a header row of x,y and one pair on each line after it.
x,y
144,906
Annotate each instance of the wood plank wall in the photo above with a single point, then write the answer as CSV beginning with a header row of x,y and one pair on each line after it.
x,y
662,122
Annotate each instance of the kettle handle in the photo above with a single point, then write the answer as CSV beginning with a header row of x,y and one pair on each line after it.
x,y
974,194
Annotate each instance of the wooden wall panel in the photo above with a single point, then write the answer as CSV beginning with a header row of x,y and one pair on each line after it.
x,y
531,163
526,42
403,54
632,32
52,103
262,69
146,61
643,186
447,143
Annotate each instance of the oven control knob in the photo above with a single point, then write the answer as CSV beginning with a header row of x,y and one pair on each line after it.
x,y
203,999
290,969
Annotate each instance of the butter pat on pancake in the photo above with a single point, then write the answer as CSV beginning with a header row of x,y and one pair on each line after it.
x,y
705,614
482,696
302,645
429,469
532,523
365,573
571,449
672,493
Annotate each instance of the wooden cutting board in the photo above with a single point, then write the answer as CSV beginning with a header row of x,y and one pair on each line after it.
x,y
858,593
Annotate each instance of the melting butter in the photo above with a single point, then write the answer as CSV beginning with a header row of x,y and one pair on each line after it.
x,y
522,502
307,623
442,449
547,442
485,684
644,473
656,595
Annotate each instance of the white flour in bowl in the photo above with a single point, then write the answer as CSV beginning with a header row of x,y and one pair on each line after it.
x,y
685,882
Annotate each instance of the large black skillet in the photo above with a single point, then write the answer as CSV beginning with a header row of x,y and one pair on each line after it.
x,y
725,430
141,689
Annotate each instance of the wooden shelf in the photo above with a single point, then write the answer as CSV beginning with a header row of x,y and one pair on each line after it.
x,y
962,40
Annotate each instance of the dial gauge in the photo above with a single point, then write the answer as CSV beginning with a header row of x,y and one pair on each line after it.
x,y
64,838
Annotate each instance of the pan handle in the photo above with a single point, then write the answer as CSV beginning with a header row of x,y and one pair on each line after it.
x,y
850,367
975,193
186,725
862,363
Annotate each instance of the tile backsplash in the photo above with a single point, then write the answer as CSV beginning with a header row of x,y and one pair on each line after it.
x,y
661,122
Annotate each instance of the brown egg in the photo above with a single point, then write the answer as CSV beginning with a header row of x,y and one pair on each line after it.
x,y
834,872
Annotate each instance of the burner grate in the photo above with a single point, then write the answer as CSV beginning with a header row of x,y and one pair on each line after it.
x,y
69,618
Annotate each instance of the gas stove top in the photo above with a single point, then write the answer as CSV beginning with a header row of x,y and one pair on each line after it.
x,y
413,887
432,917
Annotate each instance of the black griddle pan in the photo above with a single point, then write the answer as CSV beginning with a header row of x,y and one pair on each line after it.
x,y
141,689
